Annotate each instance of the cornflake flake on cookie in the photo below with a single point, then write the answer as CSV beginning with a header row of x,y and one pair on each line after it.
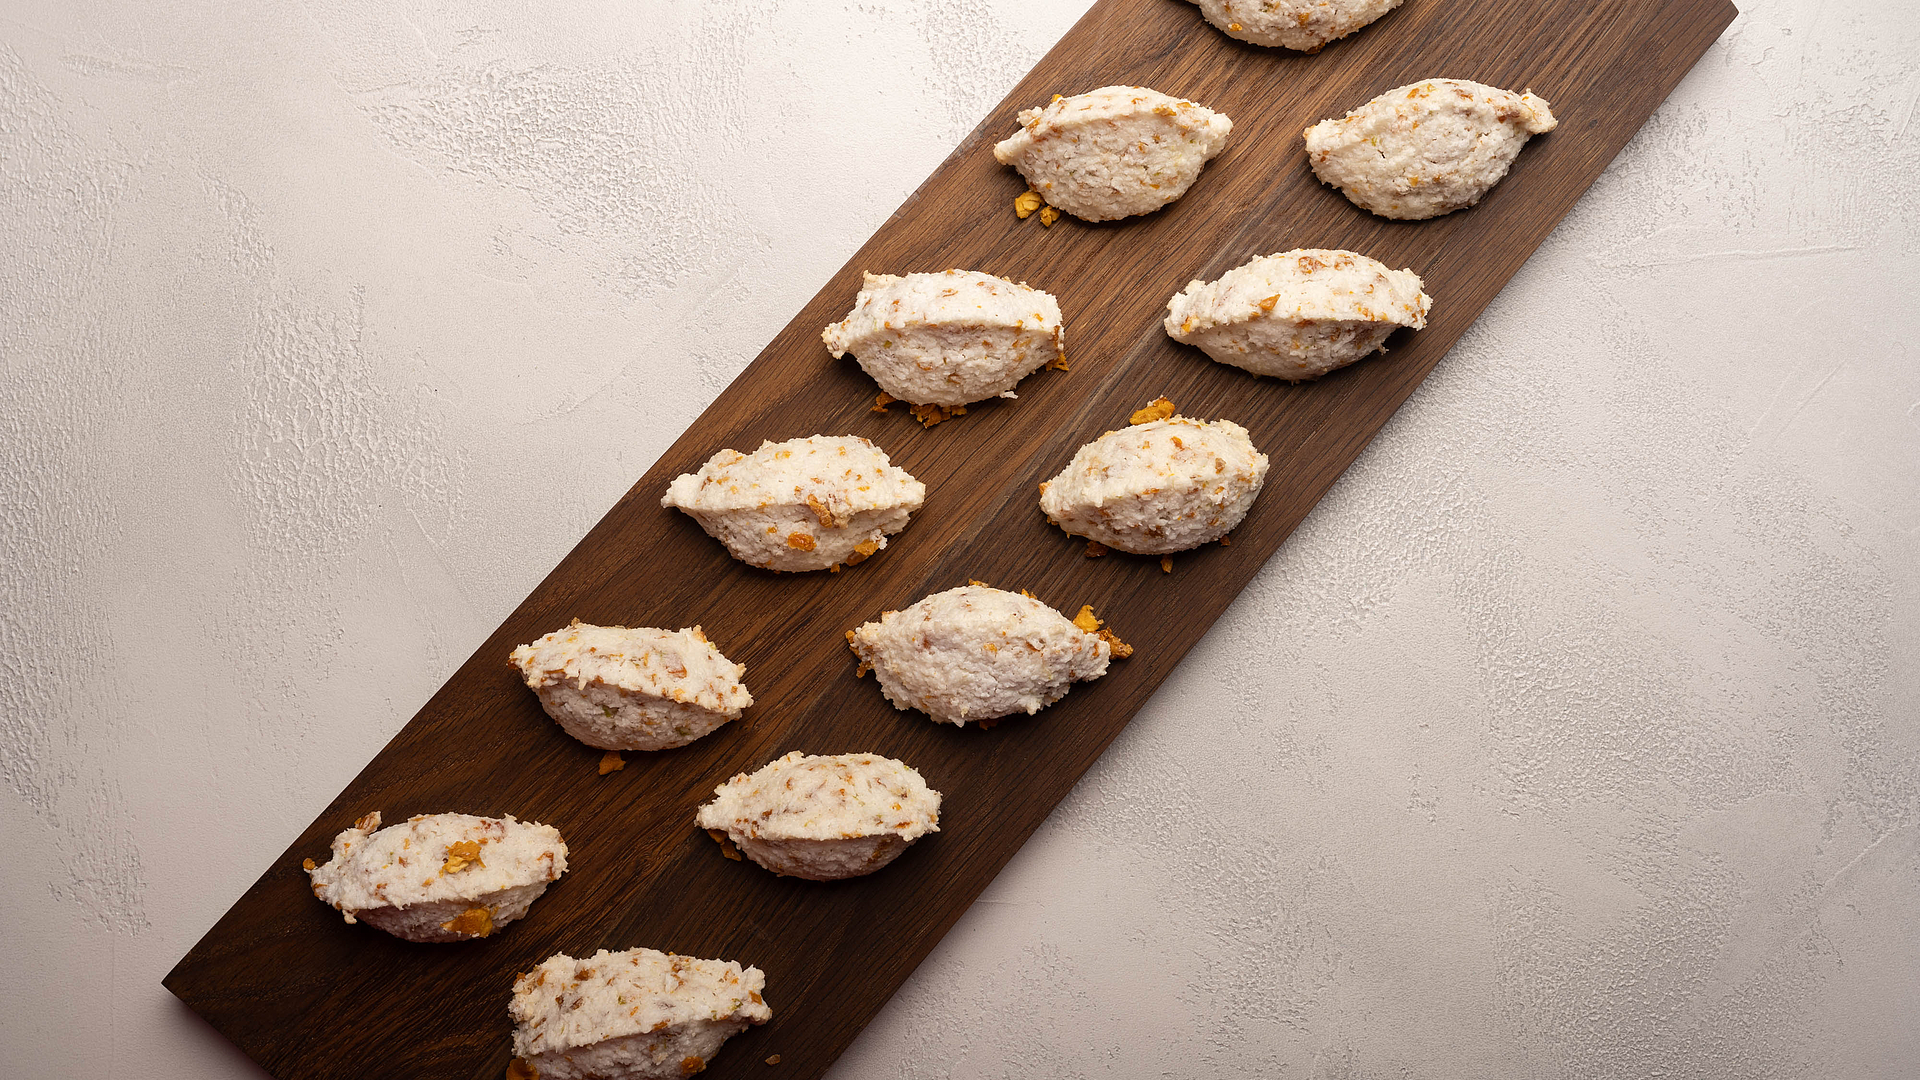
x,y
1114,152
803,504
824,818
439,877
644,688
949,339
1297,314
976,654
1428,148
633,1015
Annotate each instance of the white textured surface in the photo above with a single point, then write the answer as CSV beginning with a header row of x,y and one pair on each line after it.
x,y
1579,723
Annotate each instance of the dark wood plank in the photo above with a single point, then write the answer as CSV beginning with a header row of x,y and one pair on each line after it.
x,y
307,996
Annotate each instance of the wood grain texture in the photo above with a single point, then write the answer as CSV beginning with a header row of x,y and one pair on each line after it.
x,y
308,996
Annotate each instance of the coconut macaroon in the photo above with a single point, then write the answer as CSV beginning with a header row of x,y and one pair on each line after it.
x,y
1302,25
633,1015
977,653
1164,484
439,877
633,689
803,504
1297,314
950,338
1114,152
1426,149
824,818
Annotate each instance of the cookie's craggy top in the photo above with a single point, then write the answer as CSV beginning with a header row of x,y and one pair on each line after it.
x,y
1428,148
1297,314
1302,25
437,859
1159,486
643,688
977,653
807,797
1114,152
802,504
951,338
567,1008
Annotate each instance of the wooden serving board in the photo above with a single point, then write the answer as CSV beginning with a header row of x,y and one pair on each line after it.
x,y
308,996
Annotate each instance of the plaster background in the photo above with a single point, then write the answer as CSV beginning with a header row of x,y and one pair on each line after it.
x,y
1575,734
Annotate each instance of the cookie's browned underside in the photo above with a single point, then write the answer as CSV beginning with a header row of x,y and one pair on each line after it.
x,y
308,996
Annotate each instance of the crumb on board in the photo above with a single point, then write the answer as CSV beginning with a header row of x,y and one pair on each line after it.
x,y
1025,203
773,1059
1095,549
368,822
1059,362
1166,564
882,400
522,1069
1226,541
1157,409
1087,620
929,415
1048,215
611,762
307,865
726,845
1120,649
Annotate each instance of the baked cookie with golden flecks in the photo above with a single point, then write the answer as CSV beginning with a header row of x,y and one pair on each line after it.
x,y
1114,152
1428,148
1297,314
439,877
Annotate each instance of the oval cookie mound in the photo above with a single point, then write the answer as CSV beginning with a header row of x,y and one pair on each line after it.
x,y
633,1015
1297,314
950,338
977,653
439,877
633,689
803,504
1428,148
1302,25
824,818
1157,487
1114,152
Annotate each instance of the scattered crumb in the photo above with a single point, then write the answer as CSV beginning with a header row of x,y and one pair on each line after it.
x,y
1166,564
773,1059
1120,649
611,762
368,822
473,922
1026,203
985,724
1048,216
726,845
307,865
522,1069
977,581
1059,363
1087,620
462,855
1095,549
1226,541
1157,409
882,400
929,415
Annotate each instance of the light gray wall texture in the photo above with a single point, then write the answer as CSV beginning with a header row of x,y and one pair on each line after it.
x,y
1576,734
